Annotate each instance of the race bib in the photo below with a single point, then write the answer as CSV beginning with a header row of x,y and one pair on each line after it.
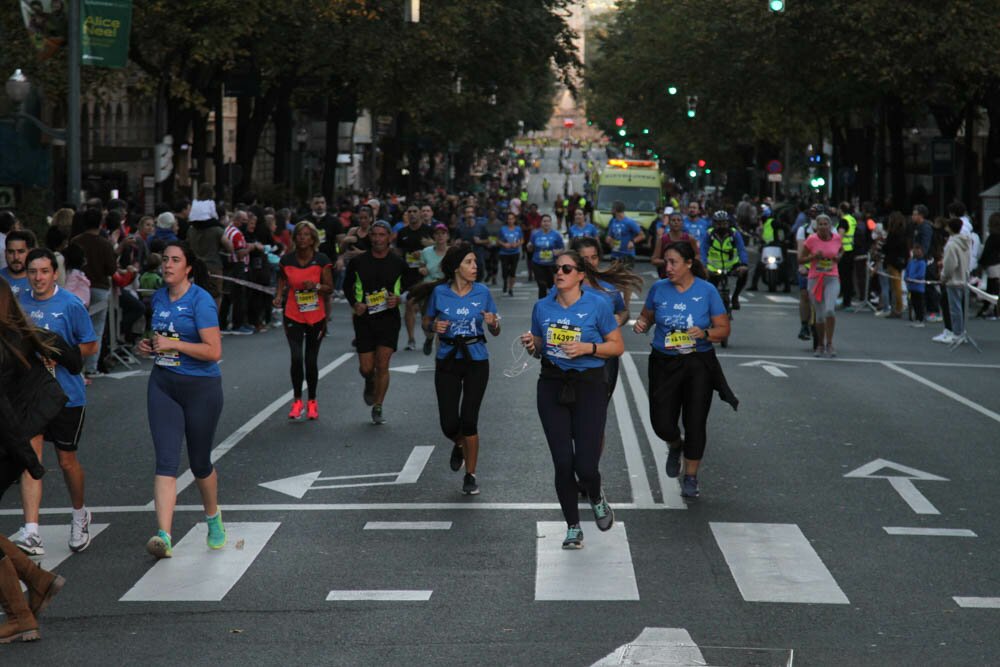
x,y
824,264
377,301
322,235
557,334
307,300
679,341
171,359
413,259
493,240
545,255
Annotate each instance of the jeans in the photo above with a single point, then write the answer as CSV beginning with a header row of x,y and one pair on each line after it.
x,y
956,298
99,302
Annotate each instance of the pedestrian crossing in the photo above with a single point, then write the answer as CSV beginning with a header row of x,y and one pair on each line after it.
x,y
767,563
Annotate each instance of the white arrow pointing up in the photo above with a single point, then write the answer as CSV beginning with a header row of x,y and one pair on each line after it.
x,y
412,369
770,367
656,646
903,484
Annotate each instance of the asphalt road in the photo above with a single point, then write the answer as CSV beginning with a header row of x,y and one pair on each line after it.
x,y
800,550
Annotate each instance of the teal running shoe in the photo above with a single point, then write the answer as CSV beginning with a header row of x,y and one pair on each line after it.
x,y
216,531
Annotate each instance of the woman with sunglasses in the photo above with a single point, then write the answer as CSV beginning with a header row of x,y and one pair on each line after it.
x,y
683,370
574,332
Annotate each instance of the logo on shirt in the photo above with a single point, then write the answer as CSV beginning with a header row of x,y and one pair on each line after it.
x,y
57,315
164,313
181,309
37,315
462,311
581,315
680,306
696,299
475,304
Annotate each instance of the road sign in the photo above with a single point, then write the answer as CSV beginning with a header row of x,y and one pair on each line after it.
x,y
775,167
8,197
774,178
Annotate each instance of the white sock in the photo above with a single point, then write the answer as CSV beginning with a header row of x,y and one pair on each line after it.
x,y
80,514
31,528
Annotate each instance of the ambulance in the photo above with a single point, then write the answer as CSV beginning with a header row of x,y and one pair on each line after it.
x,y
637,183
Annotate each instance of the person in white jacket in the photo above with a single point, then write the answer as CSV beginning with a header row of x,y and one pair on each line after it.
x,y
954,274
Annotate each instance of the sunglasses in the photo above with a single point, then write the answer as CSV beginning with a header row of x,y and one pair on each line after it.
x,y
567,268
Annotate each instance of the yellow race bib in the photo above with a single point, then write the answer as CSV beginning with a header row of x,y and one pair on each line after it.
x,y
679,341
377,301
557,334
171,359
824,265
413,259
307,300
545,255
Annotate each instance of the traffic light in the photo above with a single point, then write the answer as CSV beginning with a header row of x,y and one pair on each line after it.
x,y
645,130
692,104
701,163
619,121
817,182
671,90
707,170
776,6
589,122
693,173
621,132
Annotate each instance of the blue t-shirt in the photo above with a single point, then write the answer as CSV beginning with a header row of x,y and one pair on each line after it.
x,y
587,230
698,228
623,232
64,314
17,285
545,245
464,315
181,320
676,312
508,235
589,320
611,293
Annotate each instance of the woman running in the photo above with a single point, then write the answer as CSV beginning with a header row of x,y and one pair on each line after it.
x,y
431,258
511,239
821,252
574,332
544,245
460,311
683,369
674,232
307,276
184,396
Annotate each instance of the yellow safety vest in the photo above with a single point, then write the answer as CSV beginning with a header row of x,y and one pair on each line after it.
x,y
767,232
721,256
848,239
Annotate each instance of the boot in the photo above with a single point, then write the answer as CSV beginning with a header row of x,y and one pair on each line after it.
x,y
21,625
42,585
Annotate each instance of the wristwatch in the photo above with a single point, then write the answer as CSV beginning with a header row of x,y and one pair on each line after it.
x,y
595,348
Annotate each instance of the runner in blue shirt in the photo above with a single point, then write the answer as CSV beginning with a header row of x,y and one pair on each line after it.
x,y
544,245
696,224
184,397
511,239
623,235
574,332
581,227
460,311
688,315
62,313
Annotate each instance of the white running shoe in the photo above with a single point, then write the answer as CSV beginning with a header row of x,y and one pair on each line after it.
x,y
945,337
29,543
79,533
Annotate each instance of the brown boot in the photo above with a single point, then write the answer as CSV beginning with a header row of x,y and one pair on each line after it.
x,y
42,585
21,625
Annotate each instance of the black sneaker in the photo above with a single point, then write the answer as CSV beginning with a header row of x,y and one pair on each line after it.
x,y
604,516
469,485
574,537
735,303
457,457
377,417
804,333
674,461
689,487
428,346
369,392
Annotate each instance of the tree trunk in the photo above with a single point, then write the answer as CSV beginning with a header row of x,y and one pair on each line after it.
x,y
970,186
282,142
897,159
199,149
251,119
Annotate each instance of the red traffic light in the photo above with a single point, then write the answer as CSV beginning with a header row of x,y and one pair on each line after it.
x,y
619,121
701,163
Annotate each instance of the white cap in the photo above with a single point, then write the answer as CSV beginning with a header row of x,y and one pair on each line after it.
x,y
668,210
166,220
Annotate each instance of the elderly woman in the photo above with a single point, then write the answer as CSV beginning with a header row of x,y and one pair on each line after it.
x,y
822,252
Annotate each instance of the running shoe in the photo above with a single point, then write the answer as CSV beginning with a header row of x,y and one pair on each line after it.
x,y
574,537
604,516
917,325
216,538
411,345
674,461
79,533
245,330
830,352
935,317
818,351
735,303
469,485
689,487
93,374
227,331
159,545
296,411
29,543
312,410
945,337
804,333
377,417
369,392
428,346
457,457
883,313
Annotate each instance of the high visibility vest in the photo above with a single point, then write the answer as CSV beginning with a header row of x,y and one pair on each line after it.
x,y
767,232
582,203
848,239
524,195
722,255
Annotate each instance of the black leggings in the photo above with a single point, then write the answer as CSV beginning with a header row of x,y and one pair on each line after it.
x,y
574,435
680,384
508,265
312,335
461,385
545,277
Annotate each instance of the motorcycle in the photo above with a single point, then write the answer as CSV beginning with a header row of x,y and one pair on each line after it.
x,y
771,257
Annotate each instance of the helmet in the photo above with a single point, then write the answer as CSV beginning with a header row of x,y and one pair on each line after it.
x,y
765,211
720,216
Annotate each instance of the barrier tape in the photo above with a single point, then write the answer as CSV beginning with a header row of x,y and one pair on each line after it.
x,y
246,283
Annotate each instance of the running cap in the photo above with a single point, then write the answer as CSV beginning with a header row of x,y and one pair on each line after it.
x,y
383,224
440,226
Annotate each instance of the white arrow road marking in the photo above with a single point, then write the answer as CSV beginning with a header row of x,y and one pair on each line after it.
x,y
977,603
656,646
412,369
298,485
781,299
378,596
903,485
929,532
126,374
773,368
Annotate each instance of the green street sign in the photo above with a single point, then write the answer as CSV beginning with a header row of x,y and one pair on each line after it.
x,y
105,28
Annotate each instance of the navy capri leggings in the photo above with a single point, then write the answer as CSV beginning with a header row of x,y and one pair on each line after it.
x,y
183,407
